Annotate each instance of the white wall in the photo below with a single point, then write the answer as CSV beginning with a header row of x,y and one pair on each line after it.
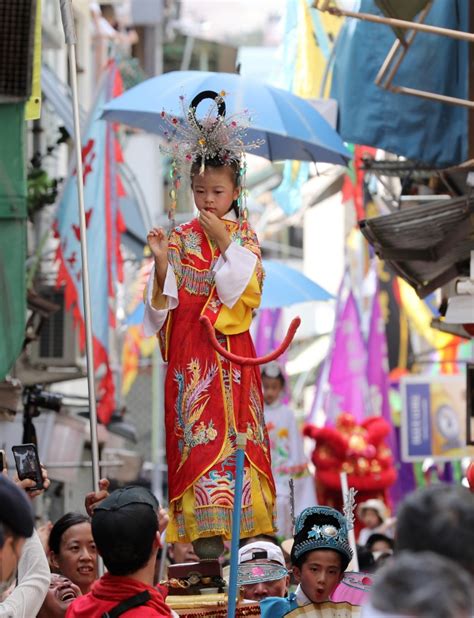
x,y
323,242
142,153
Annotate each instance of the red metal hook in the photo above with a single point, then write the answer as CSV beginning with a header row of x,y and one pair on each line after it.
x,y
243,360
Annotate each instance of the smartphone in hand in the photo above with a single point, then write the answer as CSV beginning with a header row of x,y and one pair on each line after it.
x,y
3,460
28,464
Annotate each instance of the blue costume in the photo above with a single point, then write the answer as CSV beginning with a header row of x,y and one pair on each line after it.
x,y
317,527
274,607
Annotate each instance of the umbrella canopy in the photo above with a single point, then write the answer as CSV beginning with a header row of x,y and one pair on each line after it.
x,y
283,286
286,286
290,125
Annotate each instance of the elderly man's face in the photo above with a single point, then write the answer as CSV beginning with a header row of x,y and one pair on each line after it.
x,y
180,553
262,590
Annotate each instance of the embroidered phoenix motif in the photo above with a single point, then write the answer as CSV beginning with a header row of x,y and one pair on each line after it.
x,y
193,396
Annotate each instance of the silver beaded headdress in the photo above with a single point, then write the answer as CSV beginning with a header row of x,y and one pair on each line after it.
x,y
321,527
215,136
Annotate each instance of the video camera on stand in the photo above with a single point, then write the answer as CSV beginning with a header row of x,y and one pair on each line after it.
x,y
36,398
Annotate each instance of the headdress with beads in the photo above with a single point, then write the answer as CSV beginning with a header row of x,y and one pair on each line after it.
x,y
190,140
321,527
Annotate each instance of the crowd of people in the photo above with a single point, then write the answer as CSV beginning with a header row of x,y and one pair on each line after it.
x,y
420,564
427,571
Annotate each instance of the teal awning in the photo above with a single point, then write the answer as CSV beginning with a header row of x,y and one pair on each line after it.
x,y
12,235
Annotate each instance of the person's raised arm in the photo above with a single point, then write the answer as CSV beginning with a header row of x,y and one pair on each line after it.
x,y
158,243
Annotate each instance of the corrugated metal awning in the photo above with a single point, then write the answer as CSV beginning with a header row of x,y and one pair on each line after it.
x,y
426,245
59,96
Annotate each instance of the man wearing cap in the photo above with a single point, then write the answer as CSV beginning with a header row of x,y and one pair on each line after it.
x,y
16,525
126,531
320,555
262,571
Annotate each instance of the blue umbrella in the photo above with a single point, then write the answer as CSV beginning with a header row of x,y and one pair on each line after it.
x,y
283,286
290,125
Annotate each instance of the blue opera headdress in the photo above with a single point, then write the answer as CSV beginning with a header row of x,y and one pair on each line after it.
x,y
321,527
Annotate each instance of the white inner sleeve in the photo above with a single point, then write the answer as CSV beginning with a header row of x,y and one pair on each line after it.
x,y
154,319
233,272
34,577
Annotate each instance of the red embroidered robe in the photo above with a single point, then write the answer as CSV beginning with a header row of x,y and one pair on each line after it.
x,y
202,395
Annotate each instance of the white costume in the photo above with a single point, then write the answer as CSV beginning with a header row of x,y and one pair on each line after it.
x,y
288,462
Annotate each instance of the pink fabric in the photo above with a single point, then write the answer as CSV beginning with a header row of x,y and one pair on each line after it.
x,y
354,588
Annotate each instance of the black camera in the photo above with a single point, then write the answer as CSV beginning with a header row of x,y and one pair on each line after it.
x,y
35,397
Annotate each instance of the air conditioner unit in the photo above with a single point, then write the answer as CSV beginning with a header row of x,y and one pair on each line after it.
x,y
461,305
17,27
58,343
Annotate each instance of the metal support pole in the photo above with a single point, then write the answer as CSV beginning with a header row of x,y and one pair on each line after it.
x,y
236,516
396,23
71,40
157,425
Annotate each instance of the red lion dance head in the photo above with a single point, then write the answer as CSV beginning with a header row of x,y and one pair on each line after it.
x,y
359,449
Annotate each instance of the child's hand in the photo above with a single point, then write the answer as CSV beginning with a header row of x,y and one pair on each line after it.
x,y
158,243
215,229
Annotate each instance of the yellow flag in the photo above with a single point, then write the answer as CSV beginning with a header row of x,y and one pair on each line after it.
x,y
33,105
310,65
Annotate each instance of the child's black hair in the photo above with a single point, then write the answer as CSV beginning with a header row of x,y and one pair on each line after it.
x,y
215,163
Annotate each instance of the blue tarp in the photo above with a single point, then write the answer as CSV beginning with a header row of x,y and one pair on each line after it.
x,y
406,125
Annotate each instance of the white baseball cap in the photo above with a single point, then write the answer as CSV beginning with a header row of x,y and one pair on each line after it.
x,y
261,550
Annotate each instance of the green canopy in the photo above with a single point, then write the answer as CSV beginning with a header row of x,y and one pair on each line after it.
x,y
12,234
401,9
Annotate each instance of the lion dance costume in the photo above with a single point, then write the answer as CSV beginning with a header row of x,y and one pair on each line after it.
x,y
359,449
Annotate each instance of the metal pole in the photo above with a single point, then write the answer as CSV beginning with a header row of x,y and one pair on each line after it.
x,y
432,96
236,516
397,23
71,40
157,424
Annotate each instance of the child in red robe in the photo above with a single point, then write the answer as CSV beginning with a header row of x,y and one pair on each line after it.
x,y
210,266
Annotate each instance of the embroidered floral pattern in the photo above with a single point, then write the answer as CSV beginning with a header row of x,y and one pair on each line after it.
x,y
192,241
216,487
255,429
192,398
214,305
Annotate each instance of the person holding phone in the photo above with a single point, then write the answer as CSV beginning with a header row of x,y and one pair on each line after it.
x,y
28,466
16,525
33,574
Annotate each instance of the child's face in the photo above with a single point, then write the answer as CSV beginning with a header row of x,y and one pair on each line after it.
x,y
320,574
215,190
272,388
370,518
381,546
